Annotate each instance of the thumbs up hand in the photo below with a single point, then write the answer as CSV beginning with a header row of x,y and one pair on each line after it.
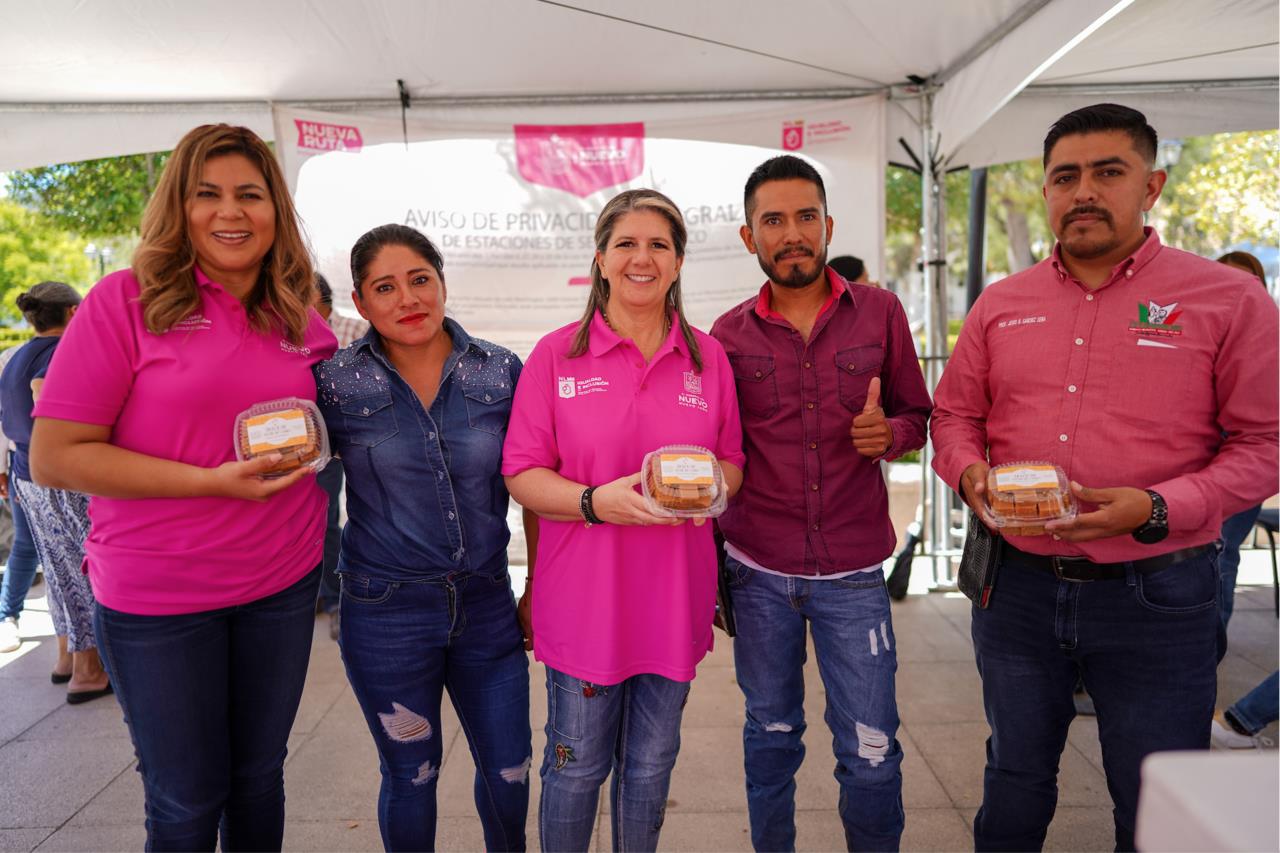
x,y
872,436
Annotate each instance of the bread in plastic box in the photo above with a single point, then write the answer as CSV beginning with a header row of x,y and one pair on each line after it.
x,y
1022,496
683,481
290,426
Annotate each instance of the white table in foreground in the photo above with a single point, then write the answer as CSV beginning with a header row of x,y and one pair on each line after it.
x,y
1209,801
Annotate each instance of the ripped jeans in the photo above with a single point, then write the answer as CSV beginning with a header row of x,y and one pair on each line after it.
x,y
403,645
631,729
857,659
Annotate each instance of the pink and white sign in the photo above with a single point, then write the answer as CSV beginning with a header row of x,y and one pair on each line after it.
x,y
792,135
318,136
580,158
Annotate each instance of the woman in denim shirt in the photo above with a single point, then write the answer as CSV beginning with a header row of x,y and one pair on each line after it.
x,y
418,409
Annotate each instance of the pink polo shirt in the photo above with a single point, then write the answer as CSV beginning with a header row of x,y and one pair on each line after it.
x,y
176,396
613,601
1163,378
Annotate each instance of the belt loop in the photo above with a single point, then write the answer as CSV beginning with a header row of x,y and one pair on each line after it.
x,y
1130,576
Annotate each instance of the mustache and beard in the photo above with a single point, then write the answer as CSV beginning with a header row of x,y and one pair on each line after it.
x,y
798,275
1088,248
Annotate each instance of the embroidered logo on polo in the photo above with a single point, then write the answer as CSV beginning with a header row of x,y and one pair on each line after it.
x,y
1157,320
692,398
571,387
285,346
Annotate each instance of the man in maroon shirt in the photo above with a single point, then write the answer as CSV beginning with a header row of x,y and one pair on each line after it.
x,y
828,385
1149,375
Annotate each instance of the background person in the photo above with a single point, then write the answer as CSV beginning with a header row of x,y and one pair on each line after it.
x,y
205,572
56,519
418,410
23,561
623,599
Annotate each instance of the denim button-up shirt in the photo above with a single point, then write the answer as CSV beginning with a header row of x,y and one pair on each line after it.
x,y
425,494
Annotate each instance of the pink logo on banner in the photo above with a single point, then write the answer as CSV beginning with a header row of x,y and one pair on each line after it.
x,y
792,135
580,158
317,136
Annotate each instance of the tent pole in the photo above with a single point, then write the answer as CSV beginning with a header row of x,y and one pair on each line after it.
x,y
977,236
935,498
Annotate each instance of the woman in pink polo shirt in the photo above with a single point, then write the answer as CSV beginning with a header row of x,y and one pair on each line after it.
x,y
205,573
624,599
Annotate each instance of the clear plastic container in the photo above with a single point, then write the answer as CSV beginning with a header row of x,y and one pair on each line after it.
x,y
291,427
1025,495
683,481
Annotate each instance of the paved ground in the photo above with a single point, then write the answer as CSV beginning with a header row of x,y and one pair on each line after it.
x,y
67,779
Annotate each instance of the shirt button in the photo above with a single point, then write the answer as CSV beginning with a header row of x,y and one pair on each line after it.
x,y
487,398
808,364
758,374
849,365
815,527
813,445
1071,388
1089,298
810,405
364,411
1062,437
451,516
813,486
1079,341
1128,273
439,475
431,435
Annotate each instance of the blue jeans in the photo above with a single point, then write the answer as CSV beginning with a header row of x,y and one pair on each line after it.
x,y
403,645
1146,647
1234,531
853,639
632,729
1260,707
209,699
21,569
330,479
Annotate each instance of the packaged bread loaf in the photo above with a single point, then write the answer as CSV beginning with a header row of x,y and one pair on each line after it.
x,y
1022,496
291,427
683,480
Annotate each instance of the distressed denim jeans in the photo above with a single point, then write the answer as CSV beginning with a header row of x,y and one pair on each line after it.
x,y
403,644
857,659
1146,646
631,729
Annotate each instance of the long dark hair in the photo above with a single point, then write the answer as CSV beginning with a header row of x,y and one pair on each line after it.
x,y
620,205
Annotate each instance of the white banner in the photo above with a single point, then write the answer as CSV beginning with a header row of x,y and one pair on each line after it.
x,y
513,207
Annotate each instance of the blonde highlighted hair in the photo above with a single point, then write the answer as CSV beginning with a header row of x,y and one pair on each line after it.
x,y
619,206
165,260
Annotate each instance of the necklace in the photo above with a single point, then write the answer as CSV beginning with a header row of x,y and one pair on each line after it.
x,y
666,323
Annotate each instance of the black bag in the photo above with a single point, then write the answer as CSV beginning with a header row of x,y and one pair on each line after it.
x,y
724,601
979,562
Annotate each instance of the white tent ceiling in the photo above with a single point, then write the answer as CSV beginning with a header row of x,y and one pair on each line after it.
x,y
91,79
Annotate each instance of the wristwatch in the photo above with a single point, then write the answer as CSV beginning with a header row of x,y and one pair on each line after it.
x,y
1155,528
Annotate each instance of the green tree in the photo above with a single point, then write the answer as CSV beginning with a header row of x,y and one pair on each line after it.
x,y
33,250
1224,189
96,198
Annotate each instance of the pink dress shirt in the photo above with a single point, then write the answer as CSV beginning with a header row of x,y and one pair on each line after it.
x,y
613,601
1163,378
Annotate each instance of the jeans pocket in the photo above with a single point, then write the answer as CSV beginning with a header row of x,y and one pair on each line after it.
x,y
1187,587
861,580
365,589
566,712
739,573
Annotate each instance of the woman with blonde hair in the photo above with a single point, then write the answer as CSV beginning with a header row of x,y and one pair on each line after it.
x,y
205,572
624,599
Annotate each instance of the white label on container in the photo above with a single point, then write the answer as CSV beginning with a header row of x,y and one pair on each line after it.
x,y
271,432
1029,477
698,470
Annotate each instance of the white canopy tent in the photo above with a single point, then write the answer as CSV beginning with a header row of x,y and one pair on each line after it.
x,y
969,82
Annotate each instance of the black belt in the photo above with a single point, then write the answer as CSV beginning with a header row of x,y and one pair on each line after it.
x,y
1080,570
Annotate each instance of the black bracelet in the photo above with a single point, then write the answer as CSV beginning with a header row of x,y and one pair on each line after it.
x,y
588,511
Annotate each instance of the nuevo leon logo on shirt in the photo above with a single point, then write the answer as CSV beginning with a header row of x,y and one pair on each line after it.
x,y
692,398
192,323
285,346
571,387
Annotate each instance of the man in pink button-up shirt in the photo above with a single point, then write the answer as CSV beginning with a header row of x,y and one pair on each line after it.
x,y
1149,375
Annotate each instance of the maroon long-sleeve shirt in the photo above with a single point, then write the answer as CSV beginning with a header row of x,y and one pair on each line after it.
x,y
810,504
